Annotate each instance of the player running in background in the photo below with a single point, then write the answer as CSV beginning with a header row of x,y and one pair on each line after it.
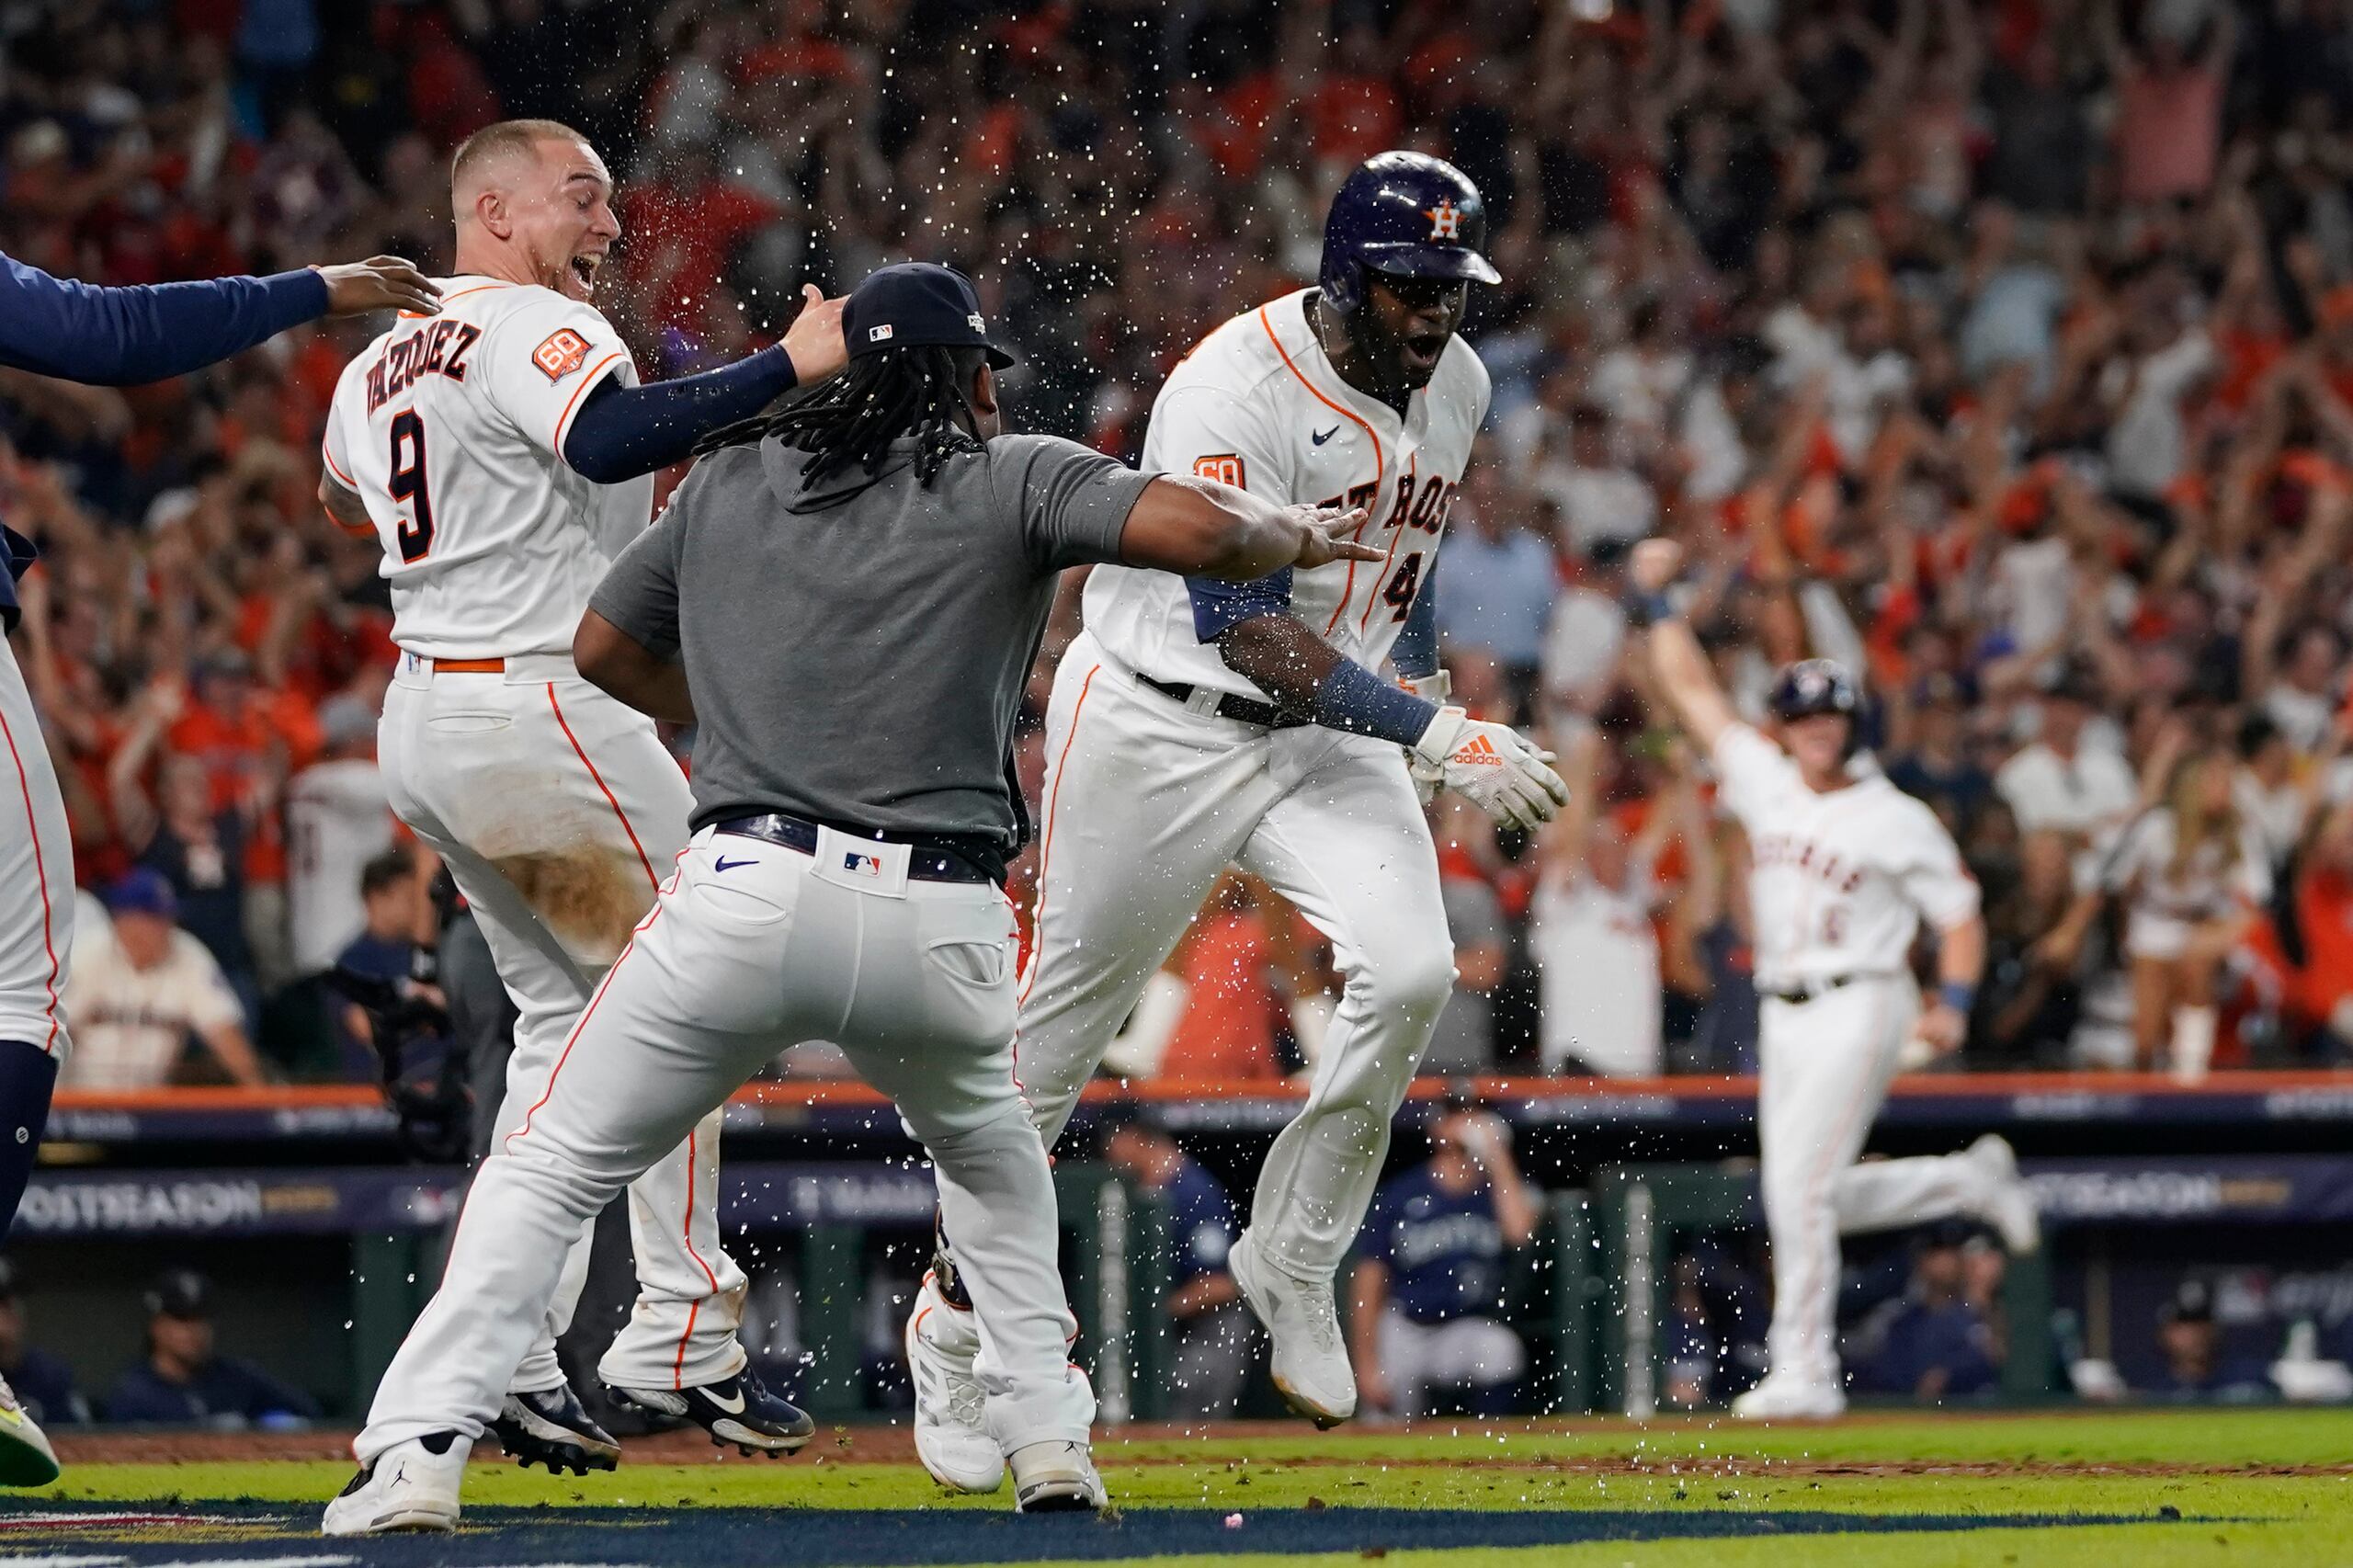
x,y
504,454
1843,868
76,332
1197,723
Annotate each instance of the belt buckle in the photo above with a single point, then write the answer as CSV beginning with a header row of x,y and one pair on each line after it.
x,y
1204,701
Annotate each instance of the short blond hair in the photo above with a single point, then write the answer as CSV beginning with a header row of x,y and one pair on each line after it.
x,y
493,143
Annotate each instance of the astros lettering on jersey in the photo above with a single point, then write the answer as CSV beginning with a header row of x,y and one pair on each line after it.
x,y
492,556
1838,882
1258,405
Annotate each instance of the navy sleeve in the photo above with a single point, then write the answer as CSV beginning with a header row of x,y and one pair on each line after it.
x,y
1219,605
122,337
141,1396
1416,651
623,432
18,553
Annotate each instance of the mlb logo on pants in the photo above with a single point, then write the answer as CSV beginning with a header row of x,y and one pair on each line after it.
x,y
864,865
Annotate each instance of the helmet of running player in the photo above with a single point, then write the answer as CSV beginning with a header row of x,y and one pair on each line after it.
x,y
1815,688
1415,221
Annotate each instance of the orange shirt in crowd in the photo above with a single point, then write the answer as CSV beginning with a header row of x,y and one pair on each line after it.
x,y
1228,1031
2324,913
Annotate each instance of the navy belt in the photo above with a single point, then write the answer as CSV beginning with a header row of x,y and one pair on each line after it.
x,y
925,863
1247,710
1808,990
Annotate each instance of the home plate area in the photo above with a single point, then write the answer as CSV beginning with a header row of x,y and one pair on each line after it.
x,y
62,1535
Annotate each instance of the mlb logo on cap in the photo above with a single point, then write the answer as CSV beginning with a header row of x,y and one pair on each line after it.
x,y
876,334
864,865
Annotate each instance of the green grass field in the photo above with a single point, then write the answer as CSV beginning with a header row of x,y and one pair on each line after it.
x,y
2238,1486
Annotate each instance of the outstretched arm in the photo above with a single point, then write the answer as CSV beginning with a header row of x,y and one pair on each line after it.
x,y
80,332
622,432
1677,661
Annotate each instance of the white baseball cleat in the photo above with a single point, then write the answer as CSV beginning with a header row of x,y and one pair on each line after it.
x,y
25,1458
412,1486
1787,1399
2008,1205
952,1439
1311,1360
1056,1478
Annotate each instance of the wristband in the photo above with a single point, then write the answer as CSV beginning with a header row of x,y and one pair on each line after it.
x,y
1353,698
1644,611
1958,995
424,965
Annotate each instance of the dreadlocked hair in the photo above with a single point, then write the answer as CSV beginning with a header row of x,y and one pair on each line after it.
x,y
853,419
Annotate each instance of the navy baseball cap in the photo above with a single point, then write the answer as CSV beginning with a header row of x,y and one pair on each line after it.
x,y
142,891
180,1294
913,304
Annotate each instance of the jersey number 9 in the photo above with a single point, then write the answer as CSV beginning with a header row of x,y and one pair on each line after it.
x,y
416,531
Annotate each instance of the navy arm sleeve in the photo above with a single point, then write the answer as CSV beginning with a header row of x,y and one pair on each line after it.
x,y
126,337
1219,606
623,432
1416,651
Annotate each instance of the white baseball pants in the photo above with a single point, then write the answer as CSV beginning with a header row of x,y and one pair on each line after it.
x,y
752,948
1473,1352
1145,803
555,807
36,875
1822,1072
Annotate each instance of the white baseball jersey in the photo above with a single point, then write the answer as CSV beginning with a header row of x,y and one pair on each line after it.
x,y
337,818
36,874
1838,882
1258,404
451,428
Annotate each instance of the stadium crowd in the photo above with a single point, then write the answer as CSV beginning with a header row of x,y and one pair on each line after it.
x,y
2001,349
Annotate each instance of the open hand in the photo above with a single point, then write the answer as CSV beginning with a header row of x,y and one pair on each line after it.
x,y
380,283
1324,535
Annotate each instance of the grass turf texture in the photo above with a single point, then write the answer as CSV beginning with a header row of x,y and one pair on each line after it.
x,y
2246,1486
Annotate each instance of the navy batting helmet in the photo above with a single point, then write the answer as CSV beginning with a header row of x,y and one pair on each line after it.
x,y
1815,686
1406,214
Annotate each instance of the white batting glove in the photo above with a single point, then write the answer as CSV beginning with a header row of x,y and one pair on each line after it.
x,y
1490,765
1435,687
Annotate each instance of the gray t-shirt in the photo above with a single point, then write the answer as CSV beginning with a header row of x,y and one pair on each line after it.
x,y
856,655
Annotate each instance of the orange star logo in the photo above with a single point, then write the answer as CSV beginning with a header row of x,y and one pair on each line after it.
x,y
1445,219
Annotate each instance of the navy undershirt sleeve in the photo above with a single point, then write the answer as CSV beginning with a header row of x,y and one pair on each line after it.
x,y
622,432
81,332
1219,606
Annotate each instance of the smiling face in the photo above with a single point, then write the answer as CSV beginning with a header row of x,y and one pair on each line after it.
x,y
540,211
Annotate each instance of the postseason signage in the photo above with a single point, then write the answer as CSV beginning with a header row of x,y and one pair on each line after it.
x,y
391,1200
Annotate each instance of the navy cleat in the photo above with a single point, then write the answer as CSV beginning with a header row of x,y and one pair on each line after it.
x,y
552,1427
738,1410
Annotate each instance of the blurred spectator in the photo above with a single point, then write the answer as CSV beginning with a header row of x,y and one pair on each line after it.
x,y
2196,1364
184,1380
2061,782
1227,962
1591,930
393,894
337,820
1463,1040
140,988
1498,579
1204,1305
1599,495
43,1382
1936,1342
1425,1305
1715,1339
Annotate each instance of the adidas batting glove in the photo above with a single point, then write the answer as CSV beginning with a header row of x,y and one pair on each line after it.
x,y
1492,766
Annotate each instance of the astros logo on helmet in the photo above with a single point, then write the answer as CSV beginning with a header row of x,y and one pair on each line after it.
x,y
1446,221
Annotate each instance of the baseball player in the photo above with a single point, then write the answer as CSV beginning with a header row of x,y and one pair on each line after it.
x,y
846,600
74,332
1197,723
1844,868
504,454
